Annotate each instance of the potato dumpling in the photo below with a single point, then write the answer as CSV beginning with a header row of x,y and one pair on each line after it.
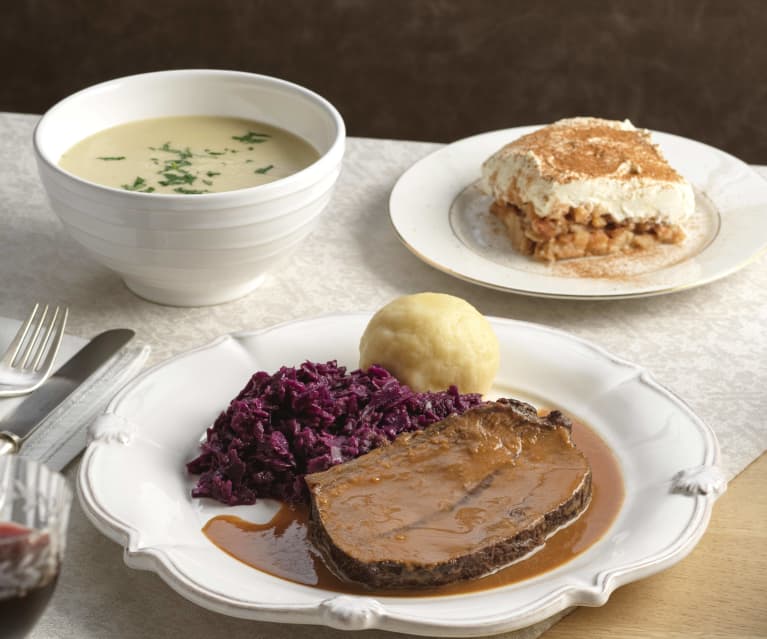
x,y
430,341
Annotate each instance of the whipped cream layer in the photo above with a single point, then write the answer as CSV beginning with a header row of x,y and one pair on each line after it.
x,y
602,165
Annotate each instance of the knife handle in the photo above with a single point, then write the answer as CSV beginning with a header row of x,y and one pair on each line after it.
x,y
9,443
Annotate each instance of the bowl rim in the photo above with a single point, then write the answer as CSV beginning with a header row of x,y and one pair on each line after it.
x,y
332,156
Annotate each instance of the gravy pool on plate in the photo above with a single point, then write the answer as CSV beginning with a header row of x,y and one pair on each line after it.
x,y
281,547
188,155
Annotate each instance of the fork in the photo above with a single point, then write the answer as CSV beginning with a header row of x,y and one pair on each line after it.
x,y
29,358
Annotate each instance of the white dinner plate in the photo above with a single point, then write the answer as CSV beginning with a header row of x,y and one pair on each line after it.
x,y
133,485
441,215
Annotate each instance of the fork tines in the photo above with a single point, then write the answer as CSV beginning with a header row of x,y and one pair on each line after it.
x,y
40,335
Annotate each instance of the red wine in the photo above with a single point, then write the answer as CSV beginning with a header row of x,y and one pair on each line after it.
x,y
23,598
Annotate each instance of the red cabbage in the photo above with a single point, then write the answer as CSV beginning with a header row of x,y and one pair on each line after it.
x,y
304,420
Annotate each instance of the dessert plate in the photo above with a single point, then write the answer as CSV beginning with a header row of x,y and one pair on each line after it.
x,y
133,485
441,215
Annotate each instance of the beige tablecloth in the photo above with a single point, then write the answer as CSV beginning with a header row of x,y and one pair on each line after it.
x,y
709,345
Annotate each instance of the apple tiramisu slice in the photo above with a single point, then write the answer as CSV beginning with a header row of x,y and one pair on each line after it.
x,y
586,186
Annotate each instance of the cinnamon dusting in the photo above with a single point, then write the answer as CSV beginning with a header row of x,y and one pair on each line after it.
x,y
584,148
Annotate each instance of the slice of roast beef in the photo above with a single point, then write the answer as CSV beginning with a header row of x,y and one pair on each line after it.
x,y
458,500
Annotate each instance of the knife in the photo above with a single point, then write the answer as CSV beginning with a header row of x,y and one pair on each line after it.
x,y
22,422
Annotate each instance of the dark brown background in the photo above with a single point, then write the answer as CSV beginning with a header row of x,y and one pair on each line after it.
x,y
431,70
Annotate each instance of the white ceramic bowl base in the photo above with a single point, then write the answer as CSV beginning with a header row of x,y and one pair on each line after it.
x,y
194,296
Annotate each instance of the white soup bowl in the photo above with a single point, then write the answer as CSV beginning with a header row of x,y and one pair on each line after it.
x,y
191,250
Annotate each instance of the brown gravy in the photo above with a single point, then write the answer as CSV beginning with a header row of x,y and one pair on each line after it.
x,y
281,546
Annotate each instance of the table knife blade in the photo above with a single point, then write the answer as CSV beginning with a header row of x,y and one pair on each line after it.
x,y
17,426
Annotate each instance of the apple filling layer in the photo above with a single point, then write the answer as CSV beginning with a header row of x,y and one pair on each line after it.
x,y
579,232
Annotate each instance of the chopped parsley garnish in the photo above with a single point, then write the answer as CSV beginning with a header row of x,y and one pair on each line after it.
x,y
181,167
183,154
108,158
174,169
176,165
140,185
181,189
184,177
251,137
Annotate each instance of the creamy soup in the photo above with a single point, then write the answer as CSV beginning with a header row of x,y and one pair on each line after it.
x,y
188,155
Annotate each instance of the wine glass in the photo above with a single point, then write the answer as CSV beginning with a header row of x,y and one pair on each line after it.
x,y
34,511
